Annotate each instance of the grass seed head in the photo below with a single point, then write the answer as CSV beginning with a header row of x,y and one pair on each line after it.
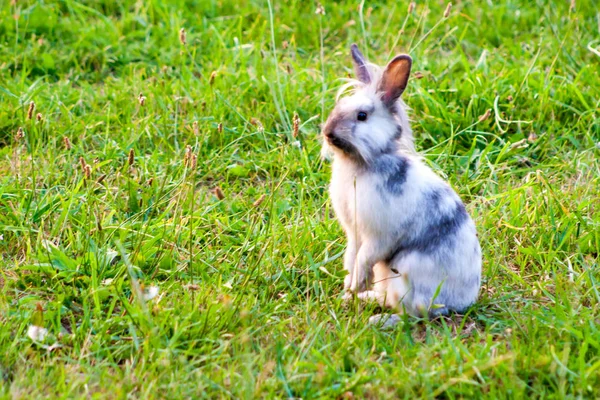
x,y
182,37
220,127
87,170
320,9
38,117
20,134
67,143
411,7
142,99
296,125
485,116
194,161
219,193
82,163
259,201
447,10
188,155
195,128
211,80
30,110
131,158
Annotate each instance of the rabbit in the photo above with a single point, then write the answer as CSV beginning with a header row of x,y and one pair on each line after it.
x,y
411,245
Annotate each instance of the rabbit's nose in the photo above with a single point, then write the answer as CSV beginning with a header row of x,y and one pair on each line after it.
x,y
329,131
330,126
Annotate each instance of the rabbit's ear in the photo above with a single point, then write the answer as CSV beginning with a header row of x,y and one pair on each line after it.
x,y
360,65
394,79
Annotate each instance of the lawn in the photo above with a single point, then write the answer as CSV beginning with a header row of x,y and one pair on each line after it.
x,y
164,213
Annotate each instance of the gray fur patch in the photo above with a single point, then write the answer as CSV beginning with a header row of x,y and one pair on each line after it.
x,y
395,169
398,133
438,232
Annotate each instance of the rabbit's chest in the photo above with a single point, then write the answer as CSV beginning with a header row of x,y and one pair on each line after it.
x,y
358,201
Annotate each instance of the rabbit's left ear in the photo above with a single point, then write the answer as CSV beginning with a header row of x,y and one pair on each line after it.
x,y
394,79
360,65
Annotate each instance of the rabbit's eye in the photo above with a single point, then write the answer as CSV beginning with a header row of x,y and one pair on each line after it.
x,y
361,116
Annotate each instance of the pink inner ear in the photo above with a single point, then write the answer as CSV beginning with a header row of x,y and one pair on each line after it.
x,y
391,93
395,78
388,96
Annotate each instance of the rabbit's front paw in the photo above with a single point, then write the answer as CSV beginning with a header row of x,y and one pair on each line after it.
x,y
358,285
347,281
362,282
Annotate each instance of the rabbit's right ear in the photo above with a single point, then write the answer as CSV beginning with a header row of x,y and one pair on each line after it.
x,y
360,65
394,79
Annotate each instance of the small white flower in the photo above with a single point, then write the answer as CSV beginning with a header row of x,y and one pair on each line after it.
x,y
297,144
1,236
150,293
37,333
107,281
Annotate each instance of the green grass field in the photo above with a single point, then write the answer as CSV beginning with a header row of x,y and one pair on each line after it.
x,y
100,205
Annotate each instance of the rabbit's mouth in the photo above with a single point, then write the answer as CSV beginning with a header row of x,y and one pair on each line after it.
x,y
343,145
340,143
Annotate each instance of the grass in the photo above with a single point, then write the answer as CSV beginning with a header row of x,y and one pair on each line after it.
x,y
250,275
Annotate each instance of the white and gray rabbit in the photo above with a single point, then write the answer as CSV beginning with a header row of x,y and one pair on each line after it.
x,y
411,244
